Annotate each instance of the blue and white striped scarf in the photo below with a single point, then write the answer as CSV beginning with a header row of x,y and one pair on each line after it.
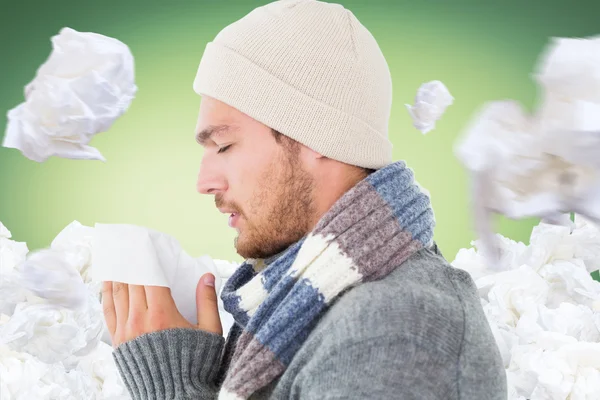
x,y
367,233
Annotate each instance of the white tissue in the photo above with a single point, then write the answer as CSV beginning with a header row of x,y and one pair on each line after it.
x,y
25,377
75,243
83,87
12,293
48,274
545,164
4,232
12,253
43,326
431,102
544,310
569,67
51,333
225,268
140,256
100,367
586,243
496,133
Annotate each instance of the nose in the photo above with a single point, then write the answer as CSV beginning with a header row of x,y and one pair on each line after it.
x,y
211,179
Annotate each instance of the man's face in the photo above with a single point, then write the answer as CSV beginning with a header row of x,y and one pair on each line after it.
x,y
259,182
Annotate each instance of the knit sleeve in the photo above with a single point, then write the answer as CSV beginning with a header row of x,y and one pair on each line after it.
x,y
171,364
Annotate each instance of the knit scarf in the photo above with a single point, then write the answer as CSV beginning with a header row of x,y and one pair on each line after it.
x,y
367,233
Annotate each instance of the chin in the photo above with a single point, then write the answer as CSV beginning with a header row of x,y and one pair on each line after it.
x,y
242,249
248,250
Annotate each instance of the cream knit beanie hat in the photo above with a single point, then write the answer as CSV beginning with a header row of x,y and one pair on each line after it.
x,y
310,70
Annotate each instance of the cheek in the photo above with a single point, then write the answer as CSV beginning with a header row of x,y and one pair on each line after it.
x,y
254,167
245,183
261,193
253,174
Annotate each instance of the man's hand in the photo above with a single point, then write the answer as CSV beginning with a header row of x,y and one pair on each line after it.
x,y
133,310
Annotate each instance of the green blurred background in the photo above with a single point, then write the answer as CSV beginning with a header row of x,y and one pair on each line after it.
x,y
482,50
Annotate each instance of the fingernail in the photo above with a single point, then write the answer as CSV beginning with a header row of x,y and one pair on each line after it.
x,y
209,280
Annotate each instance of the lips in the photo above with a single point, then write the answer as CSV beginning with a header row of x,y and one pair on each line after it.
x,y
233,219
234,216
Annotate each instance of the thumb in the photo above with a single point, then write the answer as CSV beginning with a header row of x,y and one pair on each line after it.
x,y
207,305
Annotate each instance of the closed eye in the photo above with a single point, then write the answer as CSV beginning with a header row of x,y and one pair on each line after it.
x,y
223,149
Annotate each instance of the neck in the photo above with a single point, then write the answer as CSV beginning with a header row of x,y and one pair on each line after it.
x,y
331,186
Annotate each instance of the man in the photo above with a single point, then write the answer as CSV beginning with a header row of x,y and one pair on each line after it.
x,y
344,294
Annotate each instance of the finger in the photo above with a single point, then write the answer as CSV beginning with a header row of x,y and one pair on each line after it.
x,y
121,299
137,299
108,307
207,305
159,297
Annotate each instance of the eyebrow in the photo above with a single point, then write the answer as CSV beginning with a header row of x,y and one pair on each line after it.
x,y
205,134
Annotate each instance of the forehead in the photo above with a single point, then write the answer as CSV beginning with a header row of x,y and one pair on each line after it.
x,y
220,120
215,119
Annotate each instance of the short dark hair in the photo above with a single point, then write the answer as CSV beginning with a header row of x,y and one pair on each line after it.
x,y
293,146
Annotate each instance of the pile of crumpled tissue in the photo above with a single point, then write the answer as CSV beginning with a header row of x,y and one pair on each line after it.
x,y
544,310
54,343
545,164
84,86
